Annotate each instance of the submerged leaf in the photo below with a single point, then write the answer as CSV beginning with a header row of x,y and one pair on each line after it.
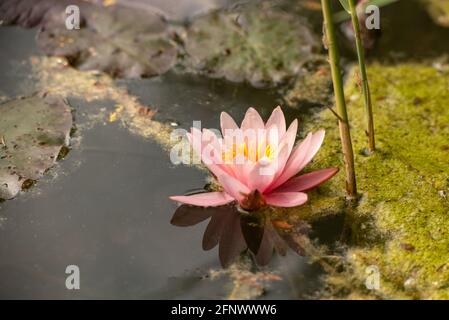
x,y
32,133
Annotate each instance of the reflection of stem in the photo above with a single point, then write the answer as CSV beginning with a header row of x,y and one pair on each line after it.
x,y
365,85
345,135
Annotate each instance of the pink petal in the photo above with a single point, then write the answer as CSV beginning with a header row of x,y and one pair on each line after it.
x,y
206,150
227,123
301,157
294,162
308,180
277,118
233,187
252,121
315,145
290,135
286,199
262,175
208,199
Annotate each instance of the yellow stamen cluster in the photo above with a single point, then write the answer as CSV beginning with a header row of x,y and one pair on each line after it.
x,y
252,152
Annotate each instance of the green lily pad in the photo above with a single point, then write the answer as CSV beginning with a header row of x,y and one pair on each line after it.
x,y
256,45
32,132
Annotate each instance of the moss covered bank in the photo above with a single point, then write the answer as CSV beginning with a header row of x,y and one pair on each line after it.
x,y
401,224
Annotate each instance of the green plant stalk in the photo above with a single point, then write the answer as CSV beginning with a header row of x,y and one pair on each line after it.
x,y
343,15
364,77
343,124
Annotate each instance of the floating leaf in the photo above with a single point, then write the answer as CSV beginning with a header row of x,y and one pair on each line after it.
x,y
32,133
256,45
121,41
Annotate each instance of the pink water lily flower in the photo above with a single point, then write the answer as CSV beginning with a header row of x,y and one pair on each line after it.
x,y
257,163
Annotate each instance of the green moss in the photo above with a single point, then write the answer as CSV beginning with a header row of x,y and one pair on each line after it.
x,y
403,185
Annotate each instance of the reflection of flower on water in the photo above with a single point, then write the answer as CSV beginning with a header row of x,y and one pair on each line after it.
x,y
255,166
235,232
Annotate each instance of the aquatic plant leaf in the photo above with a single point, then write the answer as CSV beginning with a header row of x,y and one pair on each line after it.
x,y
256,45
120,41
345,5
33,13
32,132
186,215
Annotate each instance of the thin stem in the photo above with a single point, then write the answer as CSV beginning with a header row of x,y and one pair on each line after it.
x,y
345,135
365,85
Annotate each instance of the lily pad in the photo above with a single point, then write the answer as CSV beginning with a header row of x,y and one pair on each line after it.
x,y
257,45
120,41
32,132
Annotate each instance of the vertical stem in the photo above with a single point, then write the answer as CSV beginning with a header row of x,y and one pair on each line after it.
x,y
345,135
364,77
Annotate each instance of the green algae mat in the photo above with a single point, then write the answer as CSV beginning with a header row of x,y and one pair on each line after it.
x,y
401,223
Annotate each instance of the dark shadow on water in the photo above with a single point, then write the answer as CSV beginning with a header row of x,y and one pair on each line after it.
x,y
409,34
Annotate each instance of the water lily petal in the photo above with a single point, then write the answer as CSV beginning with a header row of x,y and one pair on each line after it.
x,y
252,121
277,118
290,136
286,199
297,157
301,156
315,145
208,199
207,145
308,180
263,173
227,123
233,187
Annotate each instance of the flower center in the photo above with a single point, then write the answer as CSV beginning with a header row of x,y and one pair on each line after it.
x,y
249,151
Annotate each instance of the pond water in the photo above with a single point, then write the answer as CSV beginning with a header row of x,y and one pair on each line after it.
x,y
105,207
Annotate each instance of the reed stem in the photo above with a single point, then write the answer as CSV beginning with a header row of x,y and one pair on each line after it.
x,y
345,135
364,77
